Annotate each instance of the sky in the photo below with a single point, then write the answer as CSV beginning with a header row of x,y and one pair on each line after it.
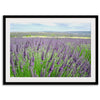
x,y
40,27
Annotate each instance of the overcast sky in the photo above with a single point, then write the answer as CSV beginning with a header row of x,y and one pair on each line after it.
x,y
39,27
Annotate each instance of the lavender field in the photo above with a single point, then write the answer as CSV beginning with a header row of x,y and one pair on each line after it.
x,y
50,57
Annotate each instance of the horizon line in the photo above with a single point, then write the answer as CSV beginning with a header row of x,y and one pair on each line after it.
x,y
49,31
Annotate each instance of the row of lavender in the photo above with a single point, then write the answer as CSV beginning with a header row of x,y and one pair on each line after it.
x,y
46,57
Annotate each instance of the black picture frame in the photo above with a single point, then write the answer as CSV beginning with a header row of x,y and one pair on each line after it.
x,y
50,16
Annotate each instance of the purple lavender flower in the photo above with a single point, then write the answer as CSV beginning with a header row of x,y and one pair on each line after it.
x,y
41,62
11,59
14,71
32,58
62,50
17,48
47,48
15,62
61,68
78,63
75,59
51,55
24,53
42,57
11,49
31,63
65,64
56,47
26,45
38,46
64,55
52,66
58,61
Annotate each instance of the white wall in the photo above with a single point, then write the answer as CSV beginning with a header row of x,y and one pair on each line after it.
x,y
47,7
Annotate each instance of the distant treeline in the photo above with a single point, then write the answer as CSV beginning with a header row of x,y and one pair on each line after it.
x,y
51,34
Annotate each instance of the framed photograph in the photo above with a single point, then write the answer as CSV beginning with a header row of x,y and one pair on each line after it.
x,y
50,50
